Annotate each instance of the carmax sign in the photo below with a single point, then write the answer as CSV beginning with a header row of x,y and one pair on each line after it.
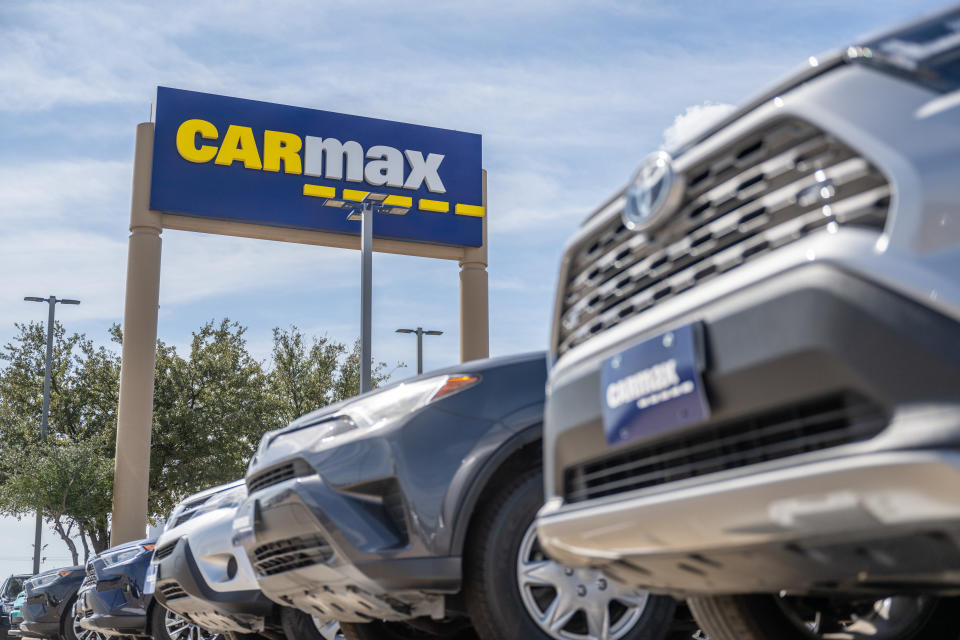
x,y
262,163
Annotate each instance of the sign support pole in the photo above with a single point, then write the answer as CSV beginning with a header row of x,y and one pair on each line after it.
x,y
135,412
474,303
366,295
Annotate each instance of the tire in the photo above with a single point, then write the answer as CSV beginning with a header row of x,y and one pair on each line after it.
x,y
760,617
166,625
406,631
69,629
503,600
298,625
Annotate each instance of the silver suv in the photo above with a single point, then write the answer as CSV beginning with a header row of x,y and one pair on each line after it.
x,y
755,392
206,584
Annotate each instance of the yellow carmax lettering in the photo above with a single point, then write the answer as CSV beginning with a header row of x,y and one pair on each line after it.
x,y
239,144
399,201
469,210
278,146
187,140
353,194
436,206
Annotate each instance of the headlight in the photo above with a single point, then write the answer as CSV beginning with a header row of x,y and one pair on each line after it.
x,y
110,559
373,411
369,413
224,500
46,579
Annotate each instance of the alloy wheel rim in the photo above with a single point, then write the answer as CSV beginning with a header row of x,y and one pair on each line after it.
x,y
890,618
179,628
330,630
574,604
85,634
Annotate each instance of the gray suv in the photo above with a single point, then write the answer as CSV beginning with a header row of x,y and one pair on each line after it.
x,y
754,397
407,513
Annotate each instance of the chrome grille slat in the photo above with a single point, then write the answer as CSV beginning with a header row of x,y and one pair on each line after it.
x,y
172,591
725,219
296,468
291,553
808,426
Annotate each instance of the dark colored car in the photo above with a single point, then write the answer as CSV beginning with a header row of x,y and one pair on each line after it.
x,y
409,511
9,591
112,599
47,611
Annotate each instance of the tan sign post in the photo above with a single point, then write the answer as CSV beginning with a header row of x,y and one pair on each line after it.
x,y
135,412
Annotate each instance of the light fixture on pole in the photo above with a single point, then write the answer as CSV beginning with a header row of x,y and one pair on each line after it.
x,y
420,333
45,410
360,206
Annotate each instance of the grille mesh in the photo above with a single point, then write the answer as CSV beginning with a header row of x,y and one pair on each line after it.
x,y
277,474
771,187
292,553
164,551
172,591
810,426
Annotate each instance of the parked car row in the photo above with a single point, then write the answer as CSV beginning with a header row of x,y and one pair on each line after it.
x,y
753,403
407,512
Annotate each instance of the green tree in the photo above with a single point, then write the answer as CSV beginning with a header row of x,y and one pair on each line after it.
x,y
68,476
210,410
303,379
211,407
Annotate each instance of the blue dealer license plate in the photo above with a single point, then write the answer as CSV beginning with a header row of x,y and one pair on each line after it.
x,y
655,386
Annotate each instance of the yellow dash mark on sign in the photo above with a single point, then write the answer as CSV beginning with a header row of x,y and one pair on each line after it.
x,y
353,194
318,191
437,206
399,201
470,210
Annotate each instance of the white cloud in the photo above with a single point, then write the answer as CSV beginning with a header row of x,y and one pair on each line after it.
x,y
694,120
82,191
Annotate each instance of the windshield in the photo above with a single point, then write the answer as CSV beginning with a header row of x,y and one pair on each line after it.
x,y
928,51
12,587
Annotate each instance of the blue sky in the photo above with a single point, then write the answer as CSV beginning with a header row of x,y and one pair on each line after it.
x,y
569,97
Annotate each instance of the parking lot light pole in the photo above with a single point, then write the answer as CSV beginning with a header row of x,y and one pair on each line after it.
x,y
420,333
45,410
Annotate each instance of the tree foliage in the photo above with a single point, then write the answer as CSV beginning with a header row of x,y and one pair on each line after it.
x,y
211,405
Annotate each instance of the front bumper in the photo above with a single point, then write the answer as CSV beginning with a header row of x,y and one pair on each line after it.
x,y
774,522
41,616
181,587
39,629
339,555
110,606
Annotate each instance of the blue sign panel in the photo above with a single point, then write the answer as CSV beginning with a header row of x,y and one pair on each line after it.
x,y
262,163
654,387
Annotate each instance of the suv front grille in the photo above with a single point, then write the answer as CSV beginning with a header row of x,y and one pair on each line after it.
x,y
172,591
809,426
278,474
292,553
771,187
165,550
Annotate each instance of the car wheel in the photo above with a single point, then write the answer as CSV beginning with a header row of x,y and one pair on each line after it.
x,y
167,625
429,630
298,625
515,591
70,625
759,617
